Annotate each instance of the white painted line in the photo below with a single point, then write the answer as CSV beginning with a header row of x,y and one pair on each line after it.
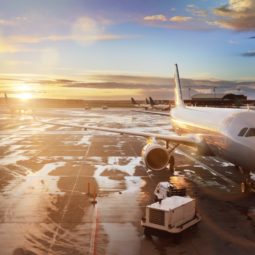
x,y
93,233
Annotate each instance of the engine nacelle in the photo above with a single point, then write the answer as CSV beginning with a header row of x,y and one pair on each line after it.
x,y
155,157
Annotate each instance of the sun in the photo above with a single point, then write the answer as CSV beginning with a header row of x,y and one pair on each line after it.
x,y
24,96
23,91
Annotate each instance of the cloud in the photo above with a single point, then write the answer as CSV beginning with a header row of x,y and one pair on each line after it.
x,y
129,85
10,45
252,37
33,39
195,11
236,15
6,47
5,22
87,30
112,81
163,18
158,17
84,30
12,22
159,87
180,19
249,54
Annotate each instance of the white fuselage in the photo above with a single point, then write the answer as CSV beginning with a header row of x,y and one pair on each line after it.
x,y
220,129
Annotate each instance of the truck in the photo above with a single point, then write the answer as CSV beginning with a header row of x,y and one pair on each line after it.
x,y
172,214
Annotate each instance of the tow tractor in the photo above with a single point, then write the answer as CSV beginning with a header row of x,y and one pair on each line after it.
x,y
172,214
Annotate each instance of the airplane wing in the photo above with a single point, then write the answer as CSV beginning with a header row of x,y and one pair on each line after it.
x,y
152,112
191,140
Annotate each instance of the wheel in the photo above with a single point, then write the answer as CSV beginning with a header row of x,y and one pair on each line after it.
x,y
147,232
246,184
242,187
171,164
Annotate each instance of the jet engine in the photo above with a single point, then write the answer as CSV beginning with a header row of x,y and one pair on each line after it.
x,y
155,157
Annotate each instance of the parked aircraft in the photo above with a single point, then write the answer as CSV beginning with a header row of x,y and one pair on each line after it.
x,y
162,107
146,106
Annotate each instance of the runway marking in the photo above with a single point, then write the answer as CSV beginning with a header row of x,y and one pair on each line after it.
x,y
67,204
93,237
214,172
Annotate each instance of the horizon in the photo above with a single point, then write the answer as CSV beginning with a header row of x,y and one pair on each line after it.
x,y
106,50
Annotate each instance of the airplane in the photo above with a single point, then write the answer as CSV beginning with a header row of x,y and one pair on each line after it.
x,y
225,132
146,106
162,107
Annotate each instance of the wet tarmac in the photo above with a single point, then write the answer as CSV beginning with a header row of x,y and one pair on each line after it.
x,y
50,177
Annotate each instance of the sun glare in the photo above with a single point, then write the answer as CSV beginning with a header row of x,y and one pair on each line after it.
x,y
23,91
24,96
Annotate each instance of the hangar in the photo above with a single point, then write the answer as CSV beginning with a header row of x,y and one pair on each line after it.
x,y
219,99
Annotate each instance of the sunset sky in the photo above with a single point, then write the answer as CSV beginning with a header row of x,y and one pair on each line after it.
x,y
114,49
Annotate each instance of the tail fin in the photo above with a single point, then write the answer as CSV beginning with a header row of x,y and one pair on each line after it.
x,y
133,100
147,101
178,89
151,101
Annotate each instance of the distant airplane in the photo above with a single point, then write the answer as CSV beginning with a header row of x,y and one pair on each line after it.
x,y
225,132
162,107
145,106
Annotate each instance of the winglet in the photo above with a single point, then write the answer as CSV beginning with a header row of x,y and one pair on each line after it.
x,y
178,89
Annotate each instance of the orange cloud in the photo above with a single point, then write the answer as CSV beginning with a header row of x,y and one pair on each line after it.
x,y
180,19
237,15
163,18
158,17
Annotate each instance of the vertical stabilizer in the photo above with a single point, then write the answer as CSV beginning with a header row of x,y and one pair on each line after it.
x,y
133,101
152,103
178,89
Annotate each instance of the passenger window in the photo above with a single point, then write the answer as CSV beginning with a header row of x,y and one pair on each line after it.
x,y
250,132
242,132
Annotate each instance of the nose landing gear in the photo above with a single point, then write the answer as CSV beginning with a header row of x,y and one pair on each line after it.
x,y
247,185
171,165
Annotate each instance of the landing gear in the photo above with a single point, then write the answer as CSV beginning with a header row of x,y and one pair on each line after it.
x,y
246,184
147,232
171,164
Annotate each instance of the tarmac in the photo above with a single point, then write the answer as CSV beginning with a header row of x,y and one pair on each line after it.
x,y
68,191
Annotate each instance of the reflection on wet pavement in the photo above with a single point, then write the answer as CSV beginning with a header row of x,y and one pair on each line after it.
x,y
49,179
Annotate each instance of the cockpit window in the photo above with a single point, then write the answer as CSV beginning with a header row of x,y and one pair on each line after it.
x,y
243,131
250,132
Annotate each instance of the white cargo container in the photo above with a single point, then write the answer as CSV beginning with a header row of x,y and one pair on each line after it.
x,y
173,214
